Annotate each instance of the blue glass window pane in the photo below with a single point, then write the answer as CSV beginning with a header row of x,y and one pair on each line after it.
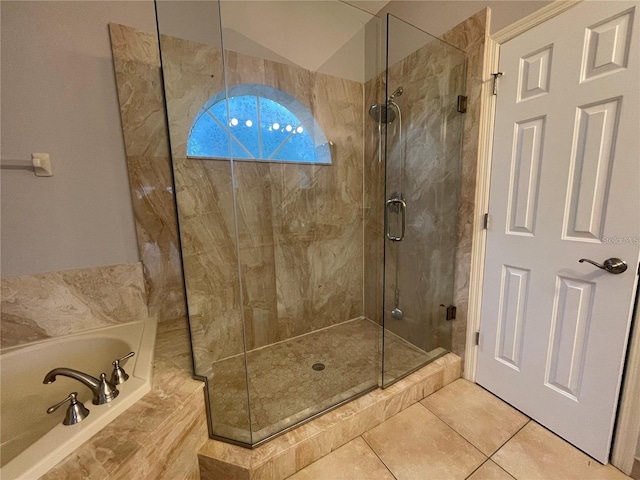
x,y
260,128
243,123
299,148
237,151
276,124
219,110
208,139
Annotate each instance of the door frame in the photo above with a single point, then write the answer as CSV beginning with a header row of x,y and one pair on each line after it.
x,y
627,429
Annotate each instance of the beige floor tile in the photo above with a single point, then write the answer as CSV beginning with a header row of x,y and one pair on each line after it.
x,y
536,453
490,471
415,444
353,461
480,417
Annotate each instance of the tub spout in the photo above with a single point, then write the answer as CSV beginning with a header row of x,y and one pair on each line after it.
x,y
103,391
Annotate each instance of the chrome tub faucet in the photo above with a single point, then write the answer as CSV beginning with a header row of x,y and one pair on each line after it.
x,y
103,390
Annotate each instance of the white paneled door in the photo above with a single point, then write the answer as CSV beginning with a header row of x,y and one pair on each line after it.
x,y
565,186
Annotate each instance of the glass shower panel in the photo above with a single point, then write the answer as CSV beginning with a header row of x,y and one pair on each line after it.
x,y
299,205
423,160
193,74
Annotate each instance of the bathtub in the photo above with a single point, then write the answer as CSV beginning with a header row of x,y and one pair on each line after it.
x,y
33,441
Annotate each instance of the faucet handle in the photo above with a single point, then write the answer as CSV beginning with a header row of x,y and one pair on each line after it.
x,y
105,392
119,376
76,411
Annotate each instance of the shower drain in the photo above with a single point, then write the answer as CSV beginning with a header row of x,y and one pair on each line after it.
x,y
318,367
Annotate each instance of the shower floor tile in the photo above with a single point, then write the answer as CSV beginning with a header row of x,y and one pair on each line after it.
x,y
292,380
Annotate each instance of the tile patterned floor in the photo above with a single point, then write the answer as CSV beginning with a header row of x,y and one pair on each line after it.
x,y
460,432
283,387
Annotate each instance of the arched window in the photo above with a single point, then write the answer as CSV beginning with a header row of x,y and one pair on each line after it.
x,y
262,123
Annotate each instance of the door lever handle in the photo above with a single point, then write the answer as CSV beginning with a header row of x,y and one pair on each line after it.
x,y
611,265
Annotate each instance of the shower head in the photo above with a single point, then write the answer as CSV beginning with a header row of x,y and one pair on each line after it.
x,y
398,92
382,113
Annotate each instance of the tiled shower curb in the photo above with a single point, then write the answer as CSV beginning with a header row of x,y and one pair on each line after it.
x,y
288,453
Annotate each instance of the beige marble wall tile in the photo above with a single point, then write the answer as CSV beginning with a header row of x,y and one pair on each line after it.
x,y
156,227
418,121
205,202
130,44
432,78
423,165
374,171
44,305
470,31
201,66
299,226
470,36
137,66
139,82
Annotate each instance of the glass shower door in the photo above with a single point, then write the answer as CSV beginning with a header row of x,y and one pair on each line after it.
x,y
424,77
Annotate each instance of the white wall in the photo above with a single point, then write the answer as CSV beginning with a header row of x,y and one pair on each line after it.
x,y
325,36
58,95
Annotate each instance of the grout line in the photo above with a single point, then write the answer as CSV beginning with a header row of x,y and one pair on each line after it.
x,y
485,461
376,454
454,430
355,319
505,471
468,440
510,438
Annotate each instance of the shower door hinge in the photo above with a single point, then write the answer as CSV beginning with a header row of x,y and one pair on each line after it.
x,y
478,337
485,221
495,81
451,312
462,103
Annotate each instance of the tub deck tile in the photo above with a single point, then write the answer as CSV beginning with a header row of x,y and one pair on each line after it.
x,y
159,436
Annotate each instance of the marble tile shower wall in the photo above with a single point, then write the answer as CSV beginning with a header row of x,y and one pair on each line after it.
x,y
470,36
374,147
432,78
300,227
411,72
140,90
45,305
139,82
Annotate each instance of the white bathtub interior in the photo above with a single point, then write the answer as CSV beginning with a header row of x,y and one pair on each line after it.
x,y
33,441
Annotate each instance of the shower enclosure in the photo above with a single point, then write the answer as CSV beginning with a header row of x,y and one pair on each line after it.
x,y
316,161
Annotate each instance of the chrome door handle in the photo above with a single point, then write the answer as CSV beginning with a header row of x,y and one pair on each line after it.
x,y
403,211
611,265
